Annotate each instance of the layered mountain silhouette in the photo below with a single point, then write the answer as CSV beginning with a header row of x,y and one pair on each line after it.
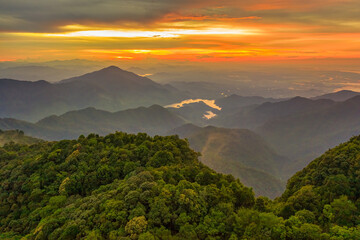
x,y
152,120
235,102
339,96
283,134
110,89
254,116
303,136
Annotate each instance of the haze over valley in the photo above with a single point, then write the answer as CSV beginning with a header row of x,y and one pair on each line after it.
x,y
292,130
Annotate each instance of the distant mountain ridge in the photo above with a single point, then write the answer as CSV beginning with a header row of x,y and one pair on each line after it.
x,y
254,116
339,96
110,89
303,136
152,120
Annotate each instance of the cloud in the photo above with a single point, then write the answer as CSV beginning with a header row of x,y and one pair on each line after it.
x,y
49,16
309,28
45,15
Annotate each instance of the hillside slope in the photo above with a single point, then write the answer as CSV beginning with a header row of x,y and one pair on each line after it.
x,y
255,116
302,137
121,186
16,136
125,186
239,152
329,187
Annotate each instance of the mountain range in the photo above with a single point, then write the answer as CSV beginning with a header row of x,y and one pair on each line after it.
x,y
260,140
126,186
339,96
152,120
303,136
111,89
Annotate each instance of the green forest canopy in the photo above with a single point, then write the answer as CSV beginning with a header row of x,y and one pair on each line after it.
x,y
125,186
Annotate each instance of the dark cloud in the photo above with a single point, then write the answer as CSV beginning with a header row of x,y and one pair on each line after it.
x,y
45,15
48,15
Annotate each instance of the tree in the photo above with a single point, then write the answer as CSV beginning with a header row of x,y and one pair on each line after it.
x,y
136,226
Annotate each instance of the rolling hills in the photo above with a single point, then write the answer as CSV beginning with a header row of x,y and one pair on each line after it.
x,y
120,186
125,186
152,120
298,129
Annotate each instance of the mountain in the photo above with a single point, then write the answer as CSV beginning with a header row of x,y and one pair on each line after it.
x,y
152,120
16,136
239,152
37,72
339,96
109,89
28,128
125,186
303,136
328,187
254,116
235,102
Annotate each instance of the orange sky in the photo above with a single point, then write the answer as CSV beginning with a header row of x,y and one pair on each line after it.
x,y
192,31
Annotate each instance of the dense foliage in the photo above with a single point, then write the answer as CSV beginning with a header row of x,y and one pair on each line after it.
x,y
329,189
125,186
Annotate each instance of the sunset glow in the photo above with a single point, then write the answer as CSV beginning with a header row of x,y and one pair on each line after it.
x,y
207,30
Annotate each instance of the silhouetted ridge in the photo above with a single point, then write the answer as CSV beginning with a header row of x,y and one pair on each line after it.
x,y
110,89
339,96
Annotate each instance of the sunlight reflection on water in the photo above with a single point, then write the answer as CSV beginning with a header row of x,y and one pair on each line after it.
x,y
210,103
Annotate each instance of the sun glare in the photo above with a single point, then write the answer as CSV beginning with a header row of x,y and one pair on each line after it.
x,y
121,33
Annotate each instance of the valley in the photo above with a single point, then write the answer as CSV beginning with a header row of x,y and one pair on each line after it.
x,y
261,141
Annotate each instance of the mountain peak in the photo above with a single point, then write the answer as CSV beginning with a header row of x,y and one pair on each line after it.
x,y
345,91
111,68
111,73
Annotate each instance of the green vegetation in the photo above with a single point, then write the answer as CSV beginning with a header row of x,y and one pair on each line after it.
x,y
329,187
16,136
125,186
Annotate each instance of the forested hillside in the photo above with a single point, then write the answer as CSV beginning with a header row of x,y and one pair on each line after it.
x,y
327,192
16,136
125,186
116,186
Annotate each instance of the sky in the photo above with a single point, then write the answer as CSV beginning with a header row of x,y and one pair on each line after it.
x,y
180,31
